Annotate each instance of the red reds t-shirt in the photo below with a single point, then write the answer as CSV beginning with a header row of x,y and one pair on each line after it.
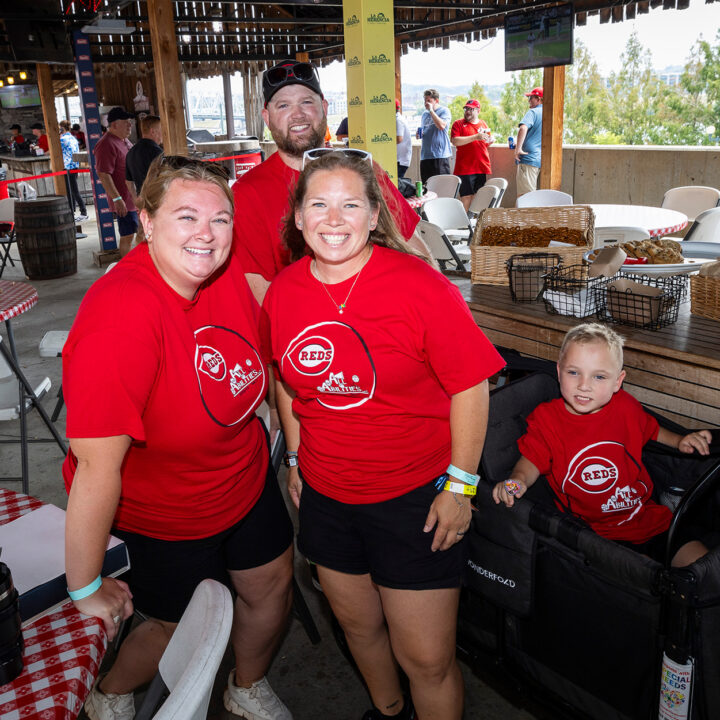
x,y
43,143
473,158
182,379
110,155
262,200
594,465
373,384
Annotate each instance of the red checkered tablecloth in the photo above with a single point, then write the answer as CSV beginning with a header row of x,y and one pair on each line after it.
x,y
62,654
417,202
16,298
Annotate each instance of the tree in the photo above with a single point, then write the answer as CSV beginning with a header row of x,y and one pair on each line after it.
x,y
513,103
586,100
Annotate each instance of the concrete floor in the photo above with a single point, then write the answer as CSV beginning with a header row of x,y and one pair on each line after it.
x,y
315,681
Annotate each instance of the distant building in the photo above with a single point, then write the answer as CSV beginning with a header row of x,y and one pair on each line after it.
x,y
671,75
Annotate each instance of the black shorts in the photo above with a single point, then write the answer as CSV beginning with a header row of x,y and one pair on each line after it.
x,y
164,573
470,184
686,532
127,224
385,539
434,166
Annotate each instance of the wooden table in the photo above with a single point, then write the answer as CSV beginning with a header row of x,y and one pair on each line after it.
x,y
657,221
674,370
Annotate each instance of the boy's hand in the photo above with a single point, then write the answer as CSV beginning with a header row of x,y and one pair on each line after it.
x,y
507,491
699,440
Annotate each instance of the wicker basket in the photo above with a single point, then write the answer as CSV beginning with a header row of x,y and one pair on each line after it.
x,y
489,262
705,296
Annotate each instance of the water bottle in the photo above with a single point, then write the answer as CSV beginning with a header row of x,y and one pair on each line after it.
x,y
511,142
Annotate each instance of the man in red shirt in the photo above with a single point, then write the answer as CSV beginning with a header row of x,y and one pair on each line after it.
x,y
296,114
41,138
110,155
472,138
16,137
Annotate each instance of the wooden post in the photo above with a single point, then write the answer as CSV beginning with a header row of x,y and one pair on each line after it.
x,y
47,98
552,130
228,102
167,75
370,70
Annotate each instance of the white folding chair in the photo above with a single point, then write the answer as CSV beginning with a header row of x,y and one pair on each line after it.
x,y
449,214
706,227
443,185
484,198
544,198
619,234
501,183
191,660
691,200
441,248
7,232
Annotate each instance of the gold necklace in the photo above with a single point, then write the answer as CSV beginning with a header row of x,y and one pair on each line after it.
x,y
341,307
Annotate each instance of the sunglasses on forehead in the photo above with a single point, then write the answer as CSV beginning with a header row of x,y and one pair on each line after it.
x,y
300,70
355,153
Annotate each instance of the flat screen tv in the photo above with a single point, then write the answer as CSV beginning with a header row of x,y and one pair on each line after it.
x,y
539,38
18,96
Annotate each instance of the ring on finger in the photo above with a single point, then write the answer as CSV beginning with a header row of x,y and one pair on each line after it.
x,y
117,619
461,533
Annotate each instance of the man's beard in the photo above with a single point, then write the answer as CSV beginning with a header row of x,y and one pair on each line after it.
x,y
296,148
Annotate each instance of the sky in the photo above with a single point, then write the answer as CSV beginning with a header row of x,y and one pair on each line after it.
x,y
668,34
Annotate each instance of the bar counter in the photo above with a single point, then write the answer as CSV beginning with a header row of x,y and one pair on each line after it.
x,y
674,370
19,167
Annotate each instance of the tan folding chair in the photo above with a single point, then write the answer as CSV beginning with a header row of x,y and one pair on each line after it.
x,y
691,200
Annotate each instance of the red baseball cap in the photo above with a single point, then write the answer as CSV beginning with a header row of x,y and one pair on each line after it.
x,y
537,92
472,103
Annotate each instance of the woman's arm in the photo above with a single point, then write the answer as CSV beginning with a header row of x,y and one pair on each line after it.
x,y
291,429
93,500
468,424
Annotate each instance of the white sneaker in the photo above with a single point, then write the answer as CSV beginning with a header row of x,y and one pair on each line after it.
x,y
101,706
258,702
81,217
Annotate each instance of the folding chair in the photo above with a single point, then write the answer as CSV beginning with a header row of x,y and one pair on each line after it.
x,y
544,198
706,227
487,196
501,183
445,186
7,232
440,247
449,214
191,660
619,234
691,200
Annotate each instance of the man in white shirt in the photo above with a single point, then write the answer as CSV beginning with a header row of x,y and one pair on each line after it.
x,y
404,143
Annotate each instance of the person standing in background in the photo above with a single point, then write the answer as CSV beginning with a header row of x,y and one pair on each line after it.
x,y
79,135
41,138
145,150
404,143
16,136
342,132
471,136
529,144
436,150
110,154
69,146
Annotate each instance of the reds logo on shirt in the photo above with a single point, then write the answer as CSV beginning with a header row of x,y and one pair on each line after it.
x,y
595,468
311,355
211,362
334,365
230,374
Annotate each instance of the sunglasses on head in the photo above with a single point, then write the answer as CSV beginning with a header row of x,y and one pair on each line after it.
x,y
355,153
176,162
300,71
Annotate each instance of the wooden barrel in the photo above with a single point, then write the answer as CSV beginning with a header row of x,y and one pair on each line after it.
x,y
45,232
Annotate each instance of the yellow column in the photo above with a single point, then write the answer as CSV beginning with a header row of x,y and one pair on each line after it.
x,y
370,68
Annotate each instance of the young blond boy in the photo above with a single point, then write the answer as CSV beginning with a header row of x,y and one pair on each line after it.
x,y
588,444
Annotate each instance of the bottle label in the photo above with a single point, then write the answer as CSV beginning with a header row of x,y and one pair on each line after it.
x,y
675,689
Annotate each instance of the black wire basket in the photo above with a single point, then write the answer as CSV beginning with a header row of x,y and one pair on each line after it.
x,y
651,308
571,291
526,274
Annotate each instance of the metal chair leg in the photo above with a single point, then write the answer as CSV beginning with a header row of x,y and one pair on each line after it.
x,y
58,405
